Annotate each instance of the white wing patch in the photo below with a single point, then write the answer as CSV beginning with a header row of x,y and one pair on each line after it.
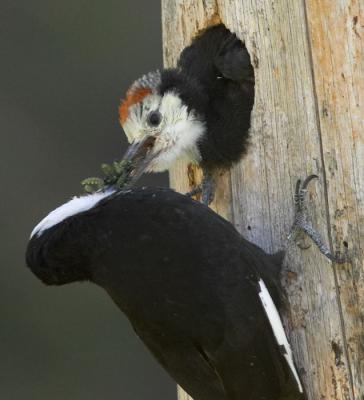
x,y
74,206
278,330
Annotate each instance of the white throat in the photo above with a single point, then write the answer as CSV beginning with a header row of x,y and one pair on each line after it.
x,y
178,134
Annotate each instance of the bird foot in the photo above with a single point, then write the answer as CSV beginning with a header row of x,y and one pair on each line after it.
x,y
206,189
302,226
196,190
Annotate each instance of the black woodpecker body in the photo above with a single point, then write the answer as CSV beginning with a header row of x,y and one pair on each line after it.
x,y
198,295
199,111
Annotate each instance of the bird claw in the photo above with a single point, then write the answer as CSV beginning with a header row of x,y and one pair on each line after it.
x,y
206,189
300,196
196,190
303,226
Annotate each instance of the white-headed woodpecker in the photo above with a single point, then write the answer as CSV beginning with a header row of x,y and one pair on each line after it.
x,y
200,296
199,111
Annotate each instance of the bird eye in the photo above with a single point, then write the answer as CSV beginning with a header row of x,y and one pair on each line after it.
x,y
154,118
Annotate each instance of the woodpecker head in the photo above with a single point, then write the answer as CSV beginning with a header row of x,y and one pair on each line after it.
x,y
161,117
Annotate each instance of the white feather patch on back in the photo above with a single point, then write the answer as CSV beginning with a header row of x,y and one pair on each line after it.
x,y
75,206
278,330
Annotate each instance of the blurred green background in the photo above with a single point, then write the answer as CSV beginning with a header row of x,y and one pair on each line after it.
x,y
64,66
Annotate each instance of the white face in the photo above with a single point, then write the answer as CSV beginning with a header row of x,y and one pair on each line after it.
x,y
177,130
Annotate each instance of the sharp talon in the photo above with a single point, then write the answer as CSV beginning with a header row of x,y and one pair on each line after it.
x,y
193,192
307,181
207,199
208,187
302,222
298,187
208,192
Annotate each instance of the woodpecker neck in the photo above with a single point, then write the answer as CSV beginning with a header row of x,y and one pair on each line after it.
x,y
176,87
188,88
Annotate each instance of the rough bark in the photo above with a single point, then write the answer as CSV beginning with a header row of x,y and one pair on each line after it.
x,y
308,118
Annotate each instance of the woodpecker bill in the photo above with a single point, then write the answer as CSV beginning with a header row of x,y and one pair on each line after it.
x,y
201,297
199,111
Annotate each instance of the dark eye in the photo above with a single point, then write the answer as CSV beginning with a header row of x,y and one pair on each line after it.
x,y
154,118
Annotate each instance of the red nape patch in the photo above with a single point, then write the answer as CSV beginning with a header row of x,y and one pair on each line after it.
x,y
132,98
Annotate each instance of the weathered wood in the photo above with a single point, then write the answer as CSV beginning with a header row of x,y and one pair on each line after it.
x,y
308,118
336,34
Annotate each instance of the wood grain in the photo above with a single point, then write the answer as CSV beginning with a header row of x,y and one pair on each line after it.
x,y
308,118
336,34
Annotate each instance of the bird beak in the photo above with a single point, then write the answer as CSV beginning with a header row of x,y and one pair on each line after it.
x,y
140,155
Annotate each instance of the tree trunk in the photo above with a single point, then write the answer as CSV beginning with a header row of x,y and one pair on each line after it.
x,y
308,118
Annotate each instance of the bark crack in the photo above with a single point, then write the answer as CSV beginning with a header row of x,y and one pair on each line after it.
x,y
327,209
